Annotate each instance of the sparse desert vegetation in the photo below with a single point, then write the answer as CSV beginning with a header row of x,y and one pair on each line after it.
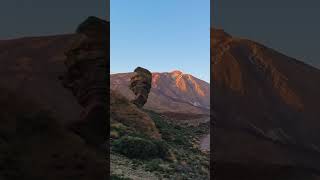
x,y
175,156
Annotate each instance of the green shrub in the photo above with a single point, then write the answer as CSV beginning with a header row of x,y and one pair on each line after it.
x,y
119,128
153,165
180,140
114,134
163,150
139,148
116,177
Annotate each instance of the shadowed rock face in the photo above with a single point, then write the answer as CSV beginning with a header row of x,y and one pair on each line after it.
x,y
35,110
33,145
86,76
140,84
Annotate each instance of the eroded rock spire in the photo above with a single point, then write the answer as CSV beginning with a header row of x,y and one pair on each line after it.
x,y
140,84
86,77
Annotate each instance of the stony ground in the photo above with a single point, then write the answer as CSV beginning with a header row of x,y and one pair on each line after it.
x,y
124,167
205,143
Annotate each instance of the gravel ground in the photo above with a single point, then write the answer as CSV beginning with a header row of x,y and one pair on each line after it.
x,y
121,165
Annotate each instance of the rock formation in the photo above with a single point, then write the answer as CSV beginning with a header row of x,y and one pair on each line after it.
x,y
86,77
35,108
173,93
140,84
122,110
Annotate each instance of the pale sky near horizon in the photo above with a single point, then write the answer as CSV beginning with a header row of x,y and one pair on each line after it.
x,y
161,36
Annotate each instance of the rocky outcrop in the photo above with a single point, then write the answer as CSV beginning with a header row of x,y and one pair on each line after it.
x,y
87,77
140,85
35,108
122,110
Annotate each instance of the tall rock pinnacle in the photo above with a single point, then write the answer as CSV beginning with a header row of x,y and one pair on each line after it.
x,y
140,84
86,76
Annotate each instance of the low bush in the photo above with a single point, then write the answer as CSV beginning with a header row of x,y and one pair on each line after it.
x,y
116,177
153,165
140,148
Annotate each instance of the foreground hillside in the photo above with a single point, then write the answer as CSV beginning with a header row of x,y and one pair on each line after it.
x,y
266,106
153,145
35,145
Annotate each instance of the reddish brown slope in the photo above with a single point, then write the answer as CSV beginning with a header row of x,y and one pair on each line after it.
x,y
266,105
31,67
171,92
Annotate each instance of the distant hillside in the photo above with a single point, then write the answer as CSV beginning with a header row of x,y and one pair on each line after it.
x,y
171,92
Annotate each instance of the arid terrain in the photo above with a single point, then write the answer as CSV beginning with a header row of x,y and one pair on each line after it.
x,y
266,106
176,115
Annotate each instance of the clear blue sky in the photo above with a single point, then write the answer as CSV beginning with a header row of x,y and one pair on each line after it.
x,y
161,35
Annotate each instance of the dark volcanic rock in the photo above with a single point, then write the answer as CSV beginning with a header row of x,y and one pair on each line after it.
x,y
94,26
87,77
35,109
140,84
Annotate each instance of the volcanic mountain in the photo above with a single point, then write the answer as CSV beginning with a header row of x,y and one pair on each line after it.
x,y
173,92
31,66
266,109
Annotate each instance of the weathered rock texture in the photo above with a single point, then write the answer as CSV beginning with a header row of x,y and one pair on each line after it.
x,y
140,84
122,110
87,76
